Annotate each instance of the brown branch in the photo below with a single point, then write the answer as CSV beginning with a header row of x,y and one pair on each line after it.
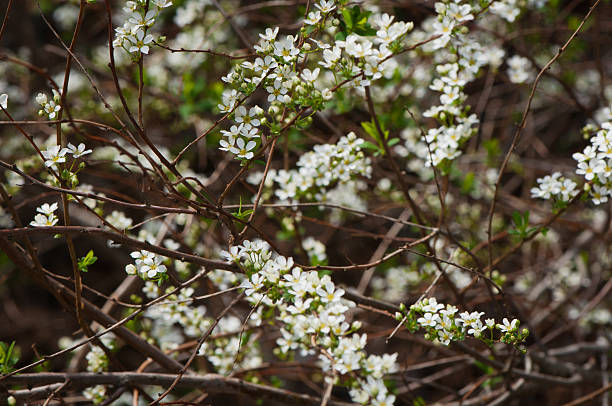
x,y
519,130
124,240
211,383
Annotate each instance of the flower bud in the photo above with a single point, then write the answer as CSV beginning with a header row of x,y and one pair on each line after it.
x,y
41,99
56,96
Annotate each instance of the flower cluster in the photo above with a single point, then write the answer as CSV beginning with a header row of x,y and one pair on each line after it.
x,y
97,361
353,61
454,70
133,36
392,287
594,164
49,107
168,322
519,69
321,168
443,325
119,220
509,10
231,347
315,250
46,216
163,320
555,186
506,9
311,310
148,266
55,154
97,394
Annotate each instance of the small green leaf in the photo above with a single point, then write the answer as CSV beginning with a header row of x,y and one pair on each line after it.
x,y
468,183
393,141
348,18
370,128
369,145
9,356
87,260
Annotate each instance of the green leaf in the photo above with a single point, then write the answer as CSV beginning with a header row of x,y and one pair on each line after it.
x,y
468,183
348,18
521,224
9,356
393,141
370,128
340,36
369,145
87,260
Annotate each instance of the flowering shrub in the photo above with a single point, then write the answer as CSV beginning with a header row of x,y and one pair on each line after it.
x,y
324,202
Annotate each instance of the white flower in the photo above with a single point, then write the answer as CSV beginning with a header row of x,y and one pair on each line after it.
x,y
151,290
329,293
47,209
253,285
79,151
227,145
40,220
432,305
270,34
249,119
599,194
331,57
326,6
277,91
444,29
586,155
313,18
4,100
152,267
590,169
508,326
54,155
428,320
357,49
382,20
519,69
232,255
162,3
140,41
286,49
265,64
138,21
242,149
141,255
119,219
460,12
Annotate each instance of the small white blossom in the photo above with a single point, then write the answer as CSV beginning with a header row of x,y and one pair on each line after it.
x,y
54,155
